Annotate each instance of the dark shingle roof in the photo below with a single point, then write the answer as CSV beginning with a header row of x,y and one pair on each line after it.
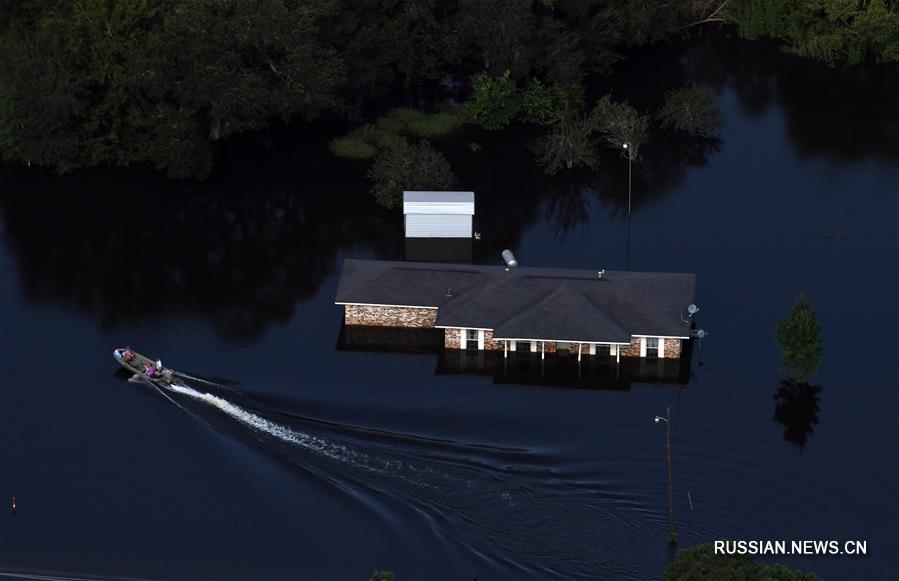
x,y
526,302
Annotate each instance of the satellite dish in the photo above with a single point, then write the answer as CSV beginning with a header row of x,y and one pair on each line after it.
x,y
700,333
692,309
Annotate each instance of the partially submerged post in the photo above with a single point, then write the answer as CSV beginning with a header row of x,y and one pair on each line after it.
x,y
672,533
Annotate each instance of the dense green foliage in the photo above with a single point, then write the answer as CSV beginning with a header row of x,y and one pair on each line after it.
x,y
494,101
700,563
5,127
408,166
690,109
103,82
352,147
426,125
391,129
160,82
543,104
833,31
800,339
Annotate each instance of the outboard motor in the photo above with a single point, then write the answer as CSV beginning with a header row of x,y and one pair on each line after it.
x,y
509,258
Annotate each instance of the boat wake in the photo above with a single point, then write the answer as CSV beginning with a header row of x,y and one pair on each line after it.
x,y
510,507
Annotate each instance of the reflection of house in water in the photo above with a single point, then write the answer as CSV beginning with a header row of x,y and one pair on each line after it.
x,y
438,226
523,325
519,368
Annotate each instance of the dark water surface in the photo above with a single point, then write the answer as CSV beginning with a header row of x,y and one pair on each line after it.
x,y
313,463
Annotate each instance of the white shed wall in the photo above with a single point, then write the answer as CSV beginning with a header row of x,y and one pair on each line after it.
x,y
438,226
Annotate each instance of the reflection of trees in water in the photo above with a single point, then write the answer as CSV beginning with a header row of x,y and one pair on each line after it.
x,y
796,408
568,207
128,246
847,113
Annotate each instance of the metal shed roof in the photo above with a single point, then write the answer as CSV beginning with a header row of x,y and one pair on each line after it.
x,y
438,203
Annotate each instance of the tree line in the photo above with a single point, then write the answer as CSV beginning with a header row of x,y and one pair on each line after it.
x,y
115,82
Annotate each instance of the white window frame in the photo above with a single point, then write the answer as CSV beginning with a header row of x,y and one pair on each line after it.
x,y
465,339
660,346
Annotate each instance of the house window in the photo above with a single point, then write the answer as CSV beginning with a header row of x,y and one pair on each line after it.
x,y
471,339
561,346
523,346
652,346
603,350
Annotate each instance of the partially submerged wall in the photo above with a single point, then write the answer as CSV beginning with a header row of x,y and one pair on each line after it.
x,y
389,316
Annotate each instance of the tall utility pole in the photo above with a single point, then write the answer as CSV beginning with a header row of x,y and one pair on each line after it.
x,y
672,534
627,152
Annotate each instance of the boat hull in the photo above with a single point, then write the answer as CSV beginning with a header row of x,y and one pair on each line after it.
x,y
139,365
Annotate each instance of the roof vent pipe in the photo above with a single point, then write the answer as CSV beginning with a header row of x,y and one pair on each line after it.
x,y
509,258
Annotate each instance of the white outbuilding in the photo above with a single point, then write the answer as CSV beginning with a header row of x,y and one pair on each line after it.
x,y
438,214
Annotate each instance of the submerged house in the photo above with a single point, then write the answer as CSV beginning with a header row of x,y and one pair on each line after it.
x,y
579,313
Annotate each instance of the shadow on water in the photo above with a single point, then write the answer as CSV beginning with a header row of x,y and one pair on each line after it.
x,y
509,506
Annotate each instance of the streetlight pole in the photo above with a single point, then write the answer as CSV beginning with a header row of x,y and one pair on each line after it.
x,y
626,147
672,533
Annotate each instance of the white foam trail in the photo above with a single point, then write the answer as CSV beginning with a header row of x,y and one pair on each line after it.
x,y
307,441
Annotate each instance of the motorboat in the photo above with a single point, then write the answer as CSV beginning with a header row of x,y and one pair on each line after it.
x,y
143,368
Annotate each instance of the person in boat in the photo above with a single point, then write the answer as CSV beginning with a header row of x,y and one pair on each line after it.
x,y
128,354
159,365
149,371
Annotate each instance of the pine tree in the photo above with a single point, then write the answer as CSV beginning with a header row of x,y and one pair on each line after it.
x,y
800,338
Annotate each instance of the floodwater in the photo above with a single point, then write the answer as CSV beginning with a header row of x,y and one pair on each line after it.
x,y
277,455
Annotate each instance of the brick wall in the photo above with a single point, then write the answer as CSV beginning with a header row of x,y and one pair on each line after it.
x,y
490,344
672,348
389,316
632,350
451,339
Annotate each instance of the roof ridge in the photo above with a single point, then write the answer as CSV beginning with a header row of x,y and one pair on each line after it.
x,y
482,285
551,294
602,312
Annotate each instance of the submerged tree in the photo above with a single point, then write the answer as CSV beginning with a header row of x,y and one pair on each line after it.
x,y
571,137
494,101
407,166
619,124
692,110
542,103
702,562
799,336
570,142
